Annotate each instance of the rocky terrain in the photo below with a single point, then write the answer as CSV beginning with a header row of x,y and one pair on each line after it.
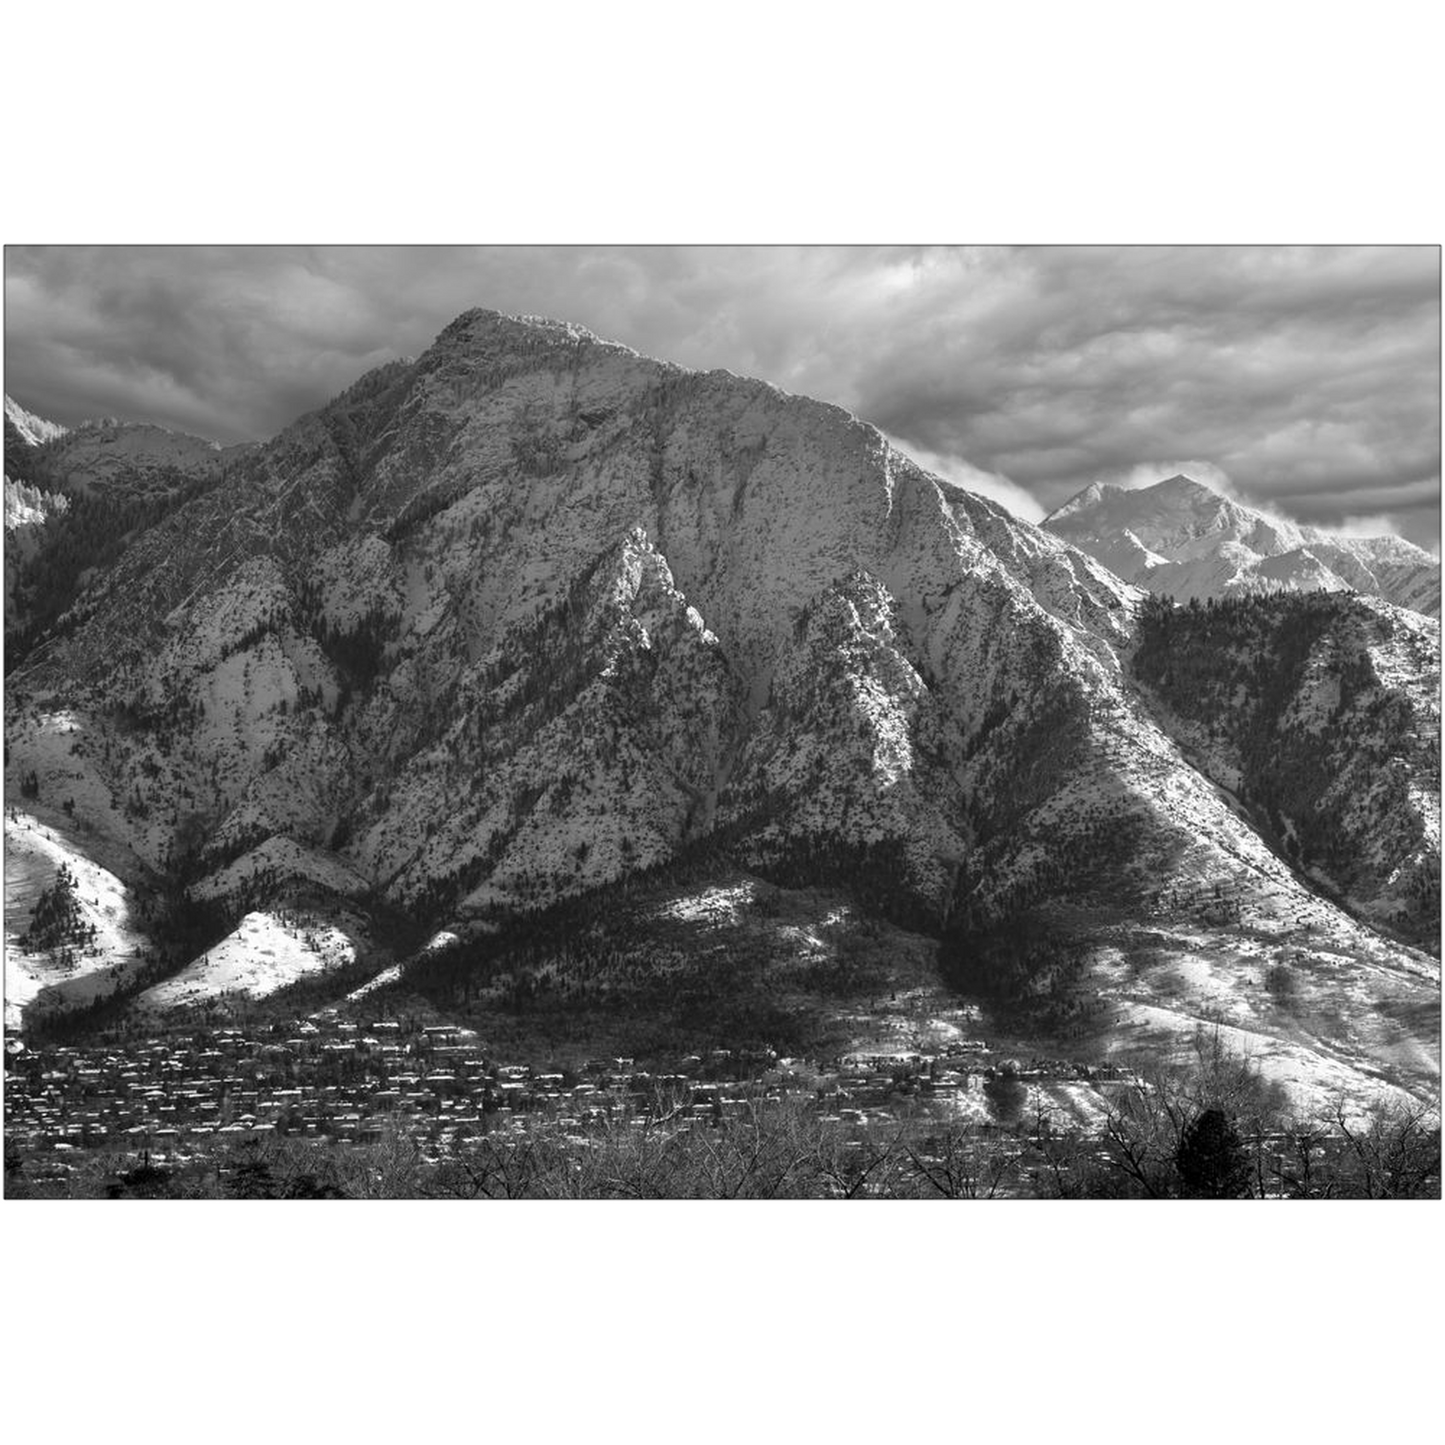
x,y
1183,540
106,456
535,622
110,481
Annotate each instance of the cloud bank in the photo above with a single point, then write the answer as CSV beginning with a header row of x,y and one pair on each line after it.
x,y
1309,376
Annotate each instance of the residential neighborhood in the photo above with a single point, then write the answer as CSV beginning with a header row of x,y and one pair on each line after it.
x,y
172,1097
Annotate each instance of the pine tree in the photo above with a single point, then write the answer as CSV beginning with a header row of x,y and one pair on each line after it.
x,y
1211,1160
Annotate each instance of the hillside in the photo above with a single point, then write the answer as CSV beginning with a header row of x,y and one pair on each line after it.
x,y
74,497
70,933
25,429
1319,713
133,458
29,505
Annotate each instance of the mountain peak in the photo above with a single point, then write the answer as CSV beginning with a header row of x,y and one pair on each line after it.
x,y
481,324
1183,539
1095,492
1185,487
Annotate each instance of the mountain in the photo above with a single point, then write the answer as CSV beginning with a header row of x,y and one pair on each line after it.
x,y
130,459
105,481
28,505
30,430
1318,713
535,624
1183,540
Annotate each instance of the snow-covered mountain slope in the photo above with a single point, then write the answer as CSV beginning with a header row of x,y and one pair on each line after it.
x,y
28,511
28,504
131,458
533,615
1183,540
90,953
585,745
318,612
33,430
123,460
28,507
279,863
262,954
74,497
1320,714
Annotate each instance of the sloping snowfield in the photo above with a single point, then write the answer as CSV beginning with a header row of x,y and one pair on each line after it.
x,y
263,954
1343,1017
33,854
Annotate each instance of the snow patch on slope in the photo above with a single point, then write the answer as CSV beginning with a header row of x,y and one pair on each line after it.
x,y
33,855
263,954
33,429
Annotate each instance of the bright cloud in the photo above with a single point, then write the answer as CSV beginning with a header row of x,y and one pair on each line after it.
x,y
997,488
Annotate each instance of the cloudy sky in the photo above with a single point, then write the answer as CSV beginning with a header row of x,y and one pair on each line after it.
x,y
1306,380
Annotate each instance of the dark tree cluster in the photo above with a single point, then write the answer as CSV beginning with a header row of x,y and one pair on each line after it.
x,y
357,651
1032,972
57,922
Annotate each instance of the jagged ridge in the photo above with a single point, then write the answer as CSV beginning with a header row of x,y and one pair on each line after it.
x,y
1183,540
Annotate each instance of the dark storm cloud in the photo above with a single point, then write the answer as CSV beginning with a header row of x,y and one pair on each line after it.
x,y
1309,378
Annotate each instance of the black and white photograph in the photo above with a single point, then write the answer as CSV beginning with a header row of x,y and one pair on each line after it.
x,y
870,722
721,725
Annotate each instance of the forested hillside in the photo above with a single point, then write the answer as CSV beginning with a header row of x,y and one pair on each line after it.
x,y
1319,711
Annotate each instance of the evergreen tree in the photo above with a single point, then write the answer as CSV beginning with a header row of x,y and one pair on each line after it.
x,y
1211,1160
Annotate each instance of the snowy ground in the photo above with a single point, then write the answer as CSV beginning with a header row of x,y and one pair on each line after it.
x,y
1327,1008
1358,1025
1344,1017
33,854
57,746
716,906
384,979
262,955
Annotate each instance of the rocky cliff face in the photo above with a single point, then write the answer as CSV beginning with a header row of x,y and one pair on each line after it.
x,y
285,652
533,614
1183,540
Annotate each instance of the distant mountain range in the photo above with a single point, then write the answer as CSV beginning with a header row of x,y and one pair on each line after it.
x,y
1184,540
534,623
